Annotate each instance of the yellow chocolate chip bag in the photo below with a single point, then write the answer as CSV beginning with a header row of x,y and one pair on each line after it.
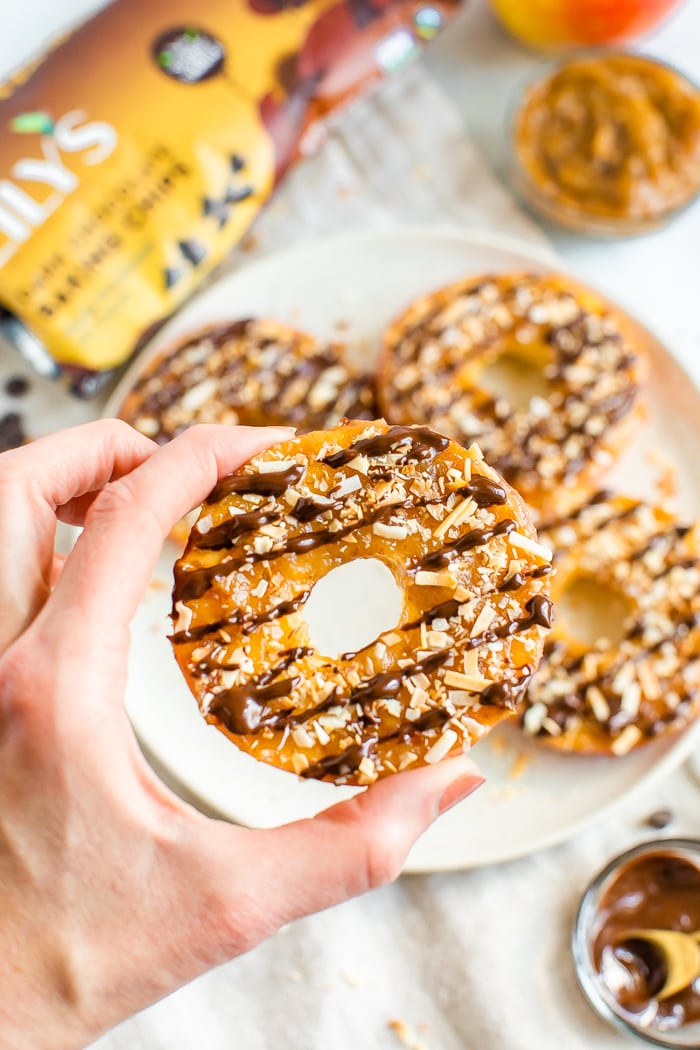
x,y
137,153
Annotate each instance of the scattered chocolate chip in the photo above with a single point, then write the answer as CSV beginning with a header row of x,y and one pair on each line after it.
x,y
171,276
661,819
235,194
237,162
85,383
12,432
17,386
193,251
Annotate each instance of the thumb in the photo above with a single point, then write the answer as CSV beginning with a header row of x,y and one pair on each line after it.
x,y
352,847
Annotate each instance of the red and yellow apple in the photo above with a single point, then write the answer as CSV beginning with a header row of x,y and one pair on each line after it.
x,y
555,25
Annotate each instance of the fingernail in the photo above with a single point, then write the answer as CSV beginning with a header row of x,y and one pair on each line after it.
x,y
458,790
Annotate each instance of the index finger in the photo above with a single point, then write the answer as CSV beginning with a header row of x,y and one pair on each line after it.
x,y
113,560
53,476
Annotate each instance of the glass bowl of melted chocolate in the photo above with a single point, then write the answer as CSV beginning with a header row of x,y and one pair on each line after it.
x,y
655,886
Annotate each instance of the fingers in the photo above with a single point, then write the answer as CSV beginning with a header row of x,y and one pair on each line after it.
x,y
104,579
353,847
36,482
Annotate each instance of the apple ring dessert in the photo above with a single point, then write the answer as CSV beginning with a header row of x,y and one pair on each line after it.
x,y
569,378
461,548
613,695
254,372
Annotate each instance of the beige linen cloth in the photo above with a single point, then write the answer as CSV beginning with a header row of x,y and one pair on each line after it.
x,y
477,960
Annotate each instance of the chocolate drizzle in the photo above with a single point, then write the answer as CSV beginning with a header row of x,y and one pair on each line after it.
x,y
273,484
241,709
445,610
306,508
485,492
424,444
342,764
435,718
389,683
241,616
507,693
224,534
474,538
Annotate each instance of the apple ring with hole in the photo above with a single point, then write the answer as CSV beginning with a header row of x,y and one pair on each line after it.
x,y
254,372
538,370
473,612
622,664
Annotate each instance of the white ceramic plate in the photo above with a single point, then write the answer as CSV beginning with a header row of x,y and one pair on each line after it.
x,y
349,288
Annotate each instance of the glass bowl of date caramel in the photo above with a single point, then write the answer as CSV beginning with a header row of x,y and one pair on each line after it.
x,y
655,886
607,143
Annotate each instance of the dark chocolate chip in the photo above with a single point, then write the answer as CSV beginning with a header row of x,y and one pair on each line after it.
x,y
661,819
12,432
17,386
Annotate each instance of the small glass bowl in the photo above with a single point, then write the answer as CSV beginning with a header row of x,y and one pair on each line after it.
x,y
560,212
586,929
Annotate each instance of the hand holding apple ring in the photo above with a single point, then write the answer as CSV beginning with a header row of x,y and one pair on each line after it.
x,y
114,891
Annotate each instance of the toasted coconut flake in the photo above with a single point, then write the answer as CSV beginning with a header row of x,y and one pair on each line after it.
x,y
272,466
537,550
599,705
628,738
534,717
464,509
435,579
442,746
484,620
299,763
472,683
389,532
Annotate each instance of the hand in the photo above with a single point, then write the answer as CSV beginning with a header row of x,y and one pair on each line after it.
x,y
114,892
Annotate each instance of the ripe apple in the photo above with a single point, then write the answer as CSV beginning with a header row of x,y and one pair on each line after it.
x,y
555,25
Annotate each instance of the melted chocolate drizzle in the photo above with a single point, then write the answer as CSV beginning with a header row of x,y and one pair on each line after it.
x,y
241,709
342,764
241,616
389,683
224,534
435,718
485,492
424,444
273,484
474,538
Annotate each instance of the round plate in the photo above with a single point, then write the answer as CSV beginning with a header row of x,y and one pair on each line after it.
x,y
348,288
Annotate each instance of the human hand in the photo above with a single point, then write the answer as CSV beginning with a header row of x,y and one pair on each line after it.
x,y
113,891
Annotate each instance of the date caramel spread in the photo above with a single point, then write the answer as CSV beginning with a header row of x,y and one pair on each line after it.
x,y
654,891
614,137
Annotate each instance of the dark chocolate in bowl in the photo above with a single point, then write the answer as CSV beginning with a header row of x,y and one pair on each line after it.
x,y
654,886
